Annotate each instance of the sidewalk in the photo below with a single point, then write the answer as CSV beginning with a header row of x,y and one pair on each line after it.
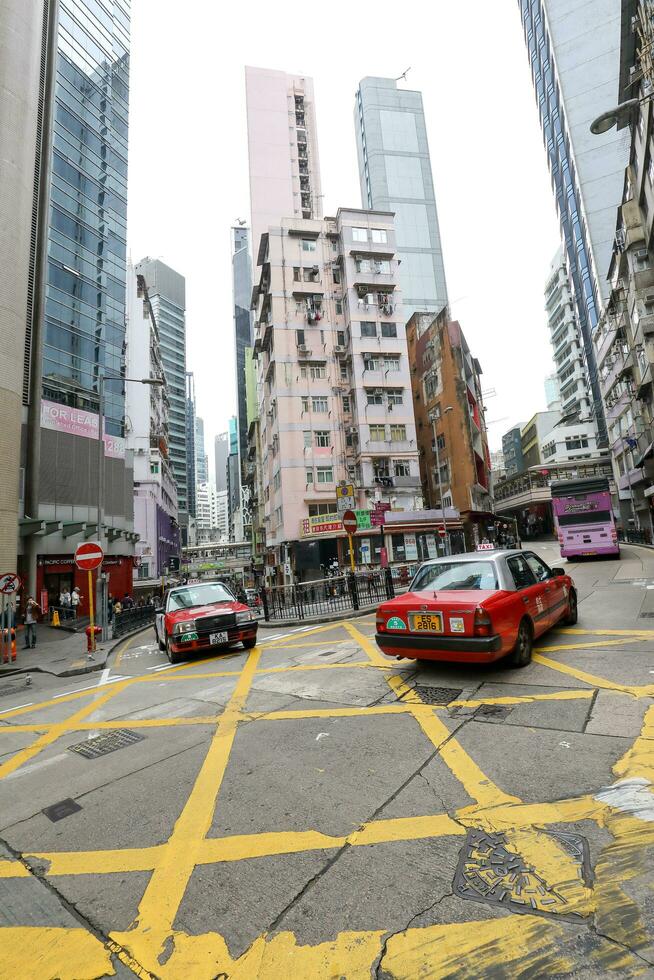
x,y
58,652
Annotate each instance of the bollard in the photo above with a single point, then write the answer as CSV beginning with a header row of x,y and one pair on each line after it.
x,y
55,618
13,643
9,639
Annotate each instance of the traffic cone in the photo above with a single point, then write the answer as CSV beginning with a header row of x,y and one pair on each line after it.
x,y
13,643
55,618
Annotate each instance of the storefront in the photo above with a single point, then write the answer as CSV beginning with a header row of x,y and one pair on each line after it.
x,y
54,573
414,537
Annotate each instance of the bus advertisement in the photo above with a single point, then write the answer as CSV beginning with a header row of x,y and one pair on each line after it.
x,y
583,518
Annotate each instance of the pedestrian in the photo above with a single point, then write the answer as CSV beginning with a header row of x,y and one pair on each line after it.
x,y
75,599
32,610
65,603
118,607
127,601
110,608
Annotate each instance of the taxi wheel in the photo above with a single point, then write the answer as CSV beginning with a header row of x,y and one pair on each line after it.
x,y
521,655
249,643
572,615
175,658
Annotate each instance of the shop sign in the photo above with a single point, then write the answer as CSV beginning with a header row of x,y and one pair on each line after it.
x,y
378,512
331,523
410,547
432,550
78,422
345,498
365,551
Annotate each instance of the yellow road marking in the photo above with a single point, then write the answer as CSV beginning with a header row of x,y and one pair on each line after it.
x,y
524,698
592,679
165,890
367,646
32,952
592,646
575,631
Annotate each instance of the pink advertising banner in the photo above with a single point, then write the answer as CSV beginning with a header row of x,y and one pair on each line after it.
x,y
78,422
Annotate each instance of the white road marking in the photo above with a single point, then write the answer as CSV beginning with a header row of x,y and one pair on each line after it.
x,y
632,796
37,765
322,735
28,704
566,745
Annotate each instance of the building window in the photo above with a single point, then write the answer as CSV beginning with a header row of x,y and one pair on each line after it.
x,y
309,476
346,404
440,442
344,372
309,275
308,245
317,510
401,468
325,474
340,338
398,433
339,307
360,234
336,273
277,480
154,467
317,372
380,469
319,404
379,236
299,337
297,274
395,396
305,403
650,168
278,515
392,362
377,433
307,439
368,328
370,362
389,330
323,438
374,396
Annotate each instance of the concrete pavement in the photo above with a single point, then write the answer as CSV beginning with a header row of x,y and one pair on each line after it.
x,y
312,809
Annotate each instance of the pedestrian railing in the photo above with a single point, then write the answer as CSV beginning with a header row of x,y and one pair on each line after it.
x,y
66,613
635,537
339,593
132,619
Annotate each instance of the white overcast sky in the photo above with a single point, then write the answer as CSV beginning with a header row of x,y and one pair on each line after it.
x,y
188,175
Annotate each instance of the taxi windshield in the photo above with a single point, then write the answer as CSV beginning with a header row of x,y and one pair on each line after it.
x,y
198,595
460,575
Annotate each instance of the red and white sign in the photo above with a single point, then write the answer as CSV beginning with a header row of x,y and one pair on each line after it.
x,y
44,601
485,546
89,556
442,531
9,583
350,521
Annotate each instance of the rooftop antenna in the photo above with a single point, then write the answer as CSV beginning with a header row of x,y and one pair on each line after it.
x,y
403,75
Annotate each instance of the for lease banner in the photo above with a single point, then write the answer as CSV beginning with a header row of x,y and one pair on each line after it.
x,y
79,422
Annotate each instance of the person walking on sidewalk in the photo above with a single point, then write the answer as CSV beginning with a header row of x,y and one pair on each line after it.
x,y
75,600
31,612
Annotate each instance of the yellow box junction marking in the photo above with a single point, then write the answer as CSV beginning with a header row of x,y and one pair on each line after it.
x,y
487,945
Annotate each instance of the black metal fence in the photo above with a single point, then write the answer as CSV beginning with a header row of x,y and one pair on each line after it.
x,y
132,619
328,595
635,537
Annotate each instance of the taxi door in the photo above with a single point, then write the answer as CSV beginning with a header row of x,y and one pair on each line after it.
x,y
533,596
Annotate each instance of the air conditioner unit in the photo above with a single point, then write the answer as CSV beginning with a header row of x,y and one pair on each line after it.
x,y
642,255
339,349
352,430
302,349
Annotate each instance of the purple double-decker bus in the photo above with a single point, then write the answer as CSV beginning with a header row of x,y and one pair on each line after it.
x,y
583,517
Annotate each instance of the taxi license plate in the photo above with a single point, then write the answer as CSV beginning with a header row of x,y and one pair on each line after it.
x,y
426,622
218,638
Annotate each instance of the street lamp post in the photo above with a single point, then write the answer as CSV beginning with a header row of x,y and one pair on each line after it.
x,y
101,599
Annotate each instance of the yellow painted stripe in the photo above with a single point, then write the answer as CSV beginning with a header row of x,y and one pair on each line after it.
x,y
368,647
582,675
593,645
34,952
575,631
525,699
13,869
354,712
165,890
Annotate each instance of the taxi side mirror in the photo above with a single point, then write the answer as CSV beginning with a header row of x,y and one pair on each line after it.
x,y
558,571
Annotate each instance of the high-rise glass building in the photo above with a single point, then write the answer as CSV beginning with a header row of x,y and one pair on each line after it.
x,y
201,466
191,477
76,296
167,291
242,289
395,175
221,450
575,63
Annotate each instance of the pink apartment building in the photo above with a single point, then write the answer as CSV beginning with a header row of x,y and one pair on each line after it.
x,y
334,387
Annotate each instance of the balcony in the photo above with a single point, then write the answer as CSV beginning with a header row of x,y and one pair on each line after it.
x,y
368,281
312,288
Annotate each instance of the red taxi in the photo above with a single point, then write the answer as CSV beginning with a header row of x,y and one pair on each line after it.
x,y
477,608
199,618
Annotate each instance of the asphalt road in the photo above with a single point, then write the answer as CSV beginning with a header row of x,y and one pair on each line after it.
x,y
313,810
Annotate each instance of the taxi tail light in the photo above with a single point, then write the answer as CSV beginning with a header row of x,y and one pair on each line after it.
x,y
380,622
482,622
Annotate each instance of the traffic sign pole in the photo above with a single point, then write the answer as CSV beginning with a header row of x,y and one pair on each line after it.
x,y
349,537
91,616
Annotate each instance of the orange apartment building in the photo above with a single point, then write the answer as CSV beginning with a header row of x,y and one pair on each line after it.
x,y
448,407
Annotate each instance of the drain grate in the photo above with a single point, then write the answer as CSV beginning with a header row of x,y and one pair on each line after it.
x,y
62,809
105,743
438,695
493,712
489,872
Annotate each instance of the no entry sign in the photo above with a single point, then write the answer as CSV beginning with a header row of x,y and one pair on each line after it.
x,y
89,556
9,583
349,521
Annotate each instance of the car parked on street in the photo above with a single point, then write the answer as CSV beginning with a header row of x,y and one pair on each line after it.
x,y
477,608
202,617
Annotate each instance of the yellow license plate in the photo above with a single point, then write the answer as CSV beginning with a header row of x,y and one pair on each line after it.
x,y
426,622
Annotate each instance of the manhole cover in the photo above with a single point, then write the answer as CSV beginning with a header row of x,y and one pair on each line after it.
x,y
489,872
62,809
438,695
493,712
103,744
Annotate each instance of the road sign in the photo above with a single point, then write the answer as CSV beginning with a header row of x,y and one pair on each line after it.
x,y
89,556
349,520
442,531
345,499
9,583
